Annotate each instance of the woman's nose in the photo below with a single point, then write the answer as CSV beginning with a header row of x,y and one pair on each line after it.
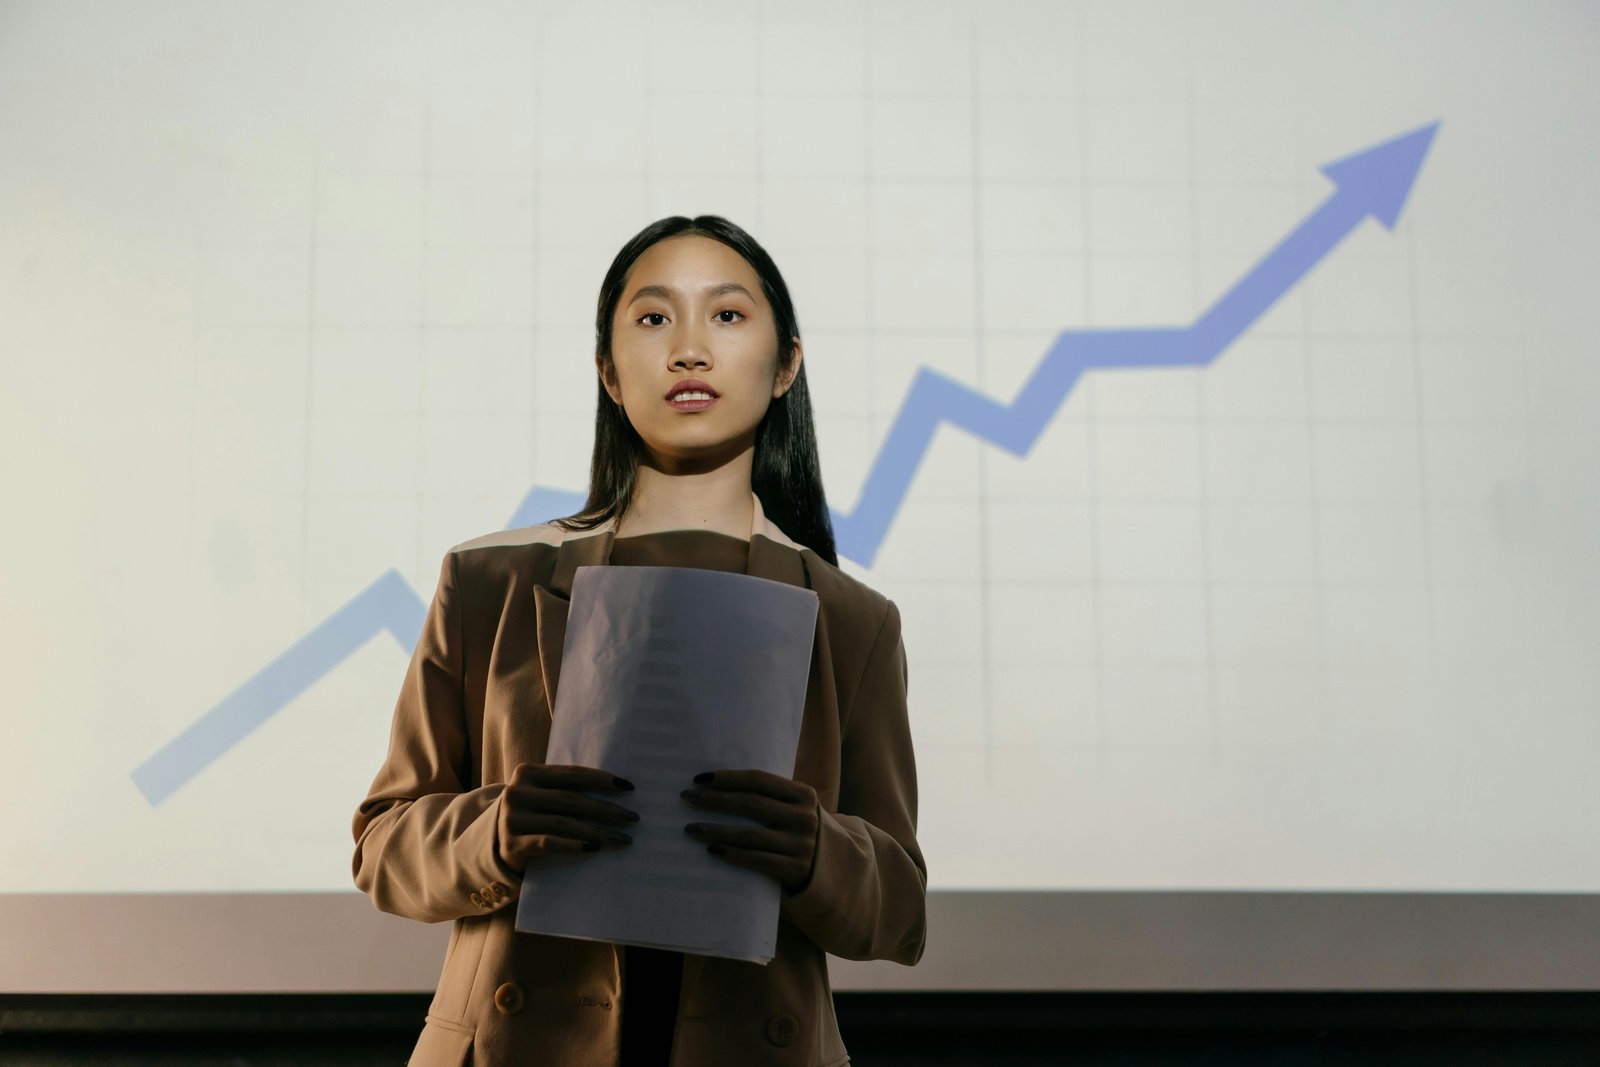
x,y
691,355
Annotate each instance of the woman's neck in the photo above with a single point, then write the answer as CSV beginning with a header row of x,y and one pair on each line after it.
x,y
716,501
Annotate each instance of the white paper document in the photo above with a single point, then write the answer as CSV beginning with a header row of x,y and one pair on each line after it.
x,y
667,672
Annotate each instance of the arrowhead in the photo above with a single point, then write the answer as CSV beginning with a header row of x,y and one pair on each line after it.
x,y
1379,178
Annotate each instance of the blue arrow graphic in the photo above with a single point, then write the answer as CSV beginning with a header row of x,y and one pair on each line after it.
x,y
1373,182
387,604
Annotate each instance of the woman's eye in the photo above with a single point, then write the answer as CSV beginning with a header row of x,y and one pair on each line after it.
x,y
658,315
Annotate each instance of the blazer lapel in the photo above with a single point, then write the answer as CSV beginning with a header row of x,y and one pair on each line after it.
x,y
551,605
772,554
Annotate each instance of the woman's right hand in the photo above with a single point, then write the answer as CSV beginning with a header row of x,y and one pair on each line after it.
x,y
543,810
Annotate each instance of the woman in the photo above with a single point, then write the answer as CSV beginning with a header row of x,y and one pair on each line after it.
x,y
704,456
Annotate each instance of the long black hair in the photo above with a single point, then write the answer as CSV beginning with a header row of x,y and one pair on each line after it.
x,y
785,475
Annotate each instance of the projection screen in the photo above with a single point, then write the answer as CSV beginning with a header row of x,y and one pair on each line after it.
x,y
1211,386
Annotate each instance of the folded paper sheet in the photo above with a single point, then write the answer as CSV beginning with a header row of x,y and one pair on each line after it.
x,y
667,672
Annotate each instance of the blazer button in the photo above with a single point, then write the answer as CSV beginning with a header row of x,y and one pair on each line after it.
x,y
508,999
781,1030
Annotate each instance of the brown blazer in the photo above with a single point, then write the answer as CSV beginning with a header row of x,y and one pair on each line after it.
x,y
476,701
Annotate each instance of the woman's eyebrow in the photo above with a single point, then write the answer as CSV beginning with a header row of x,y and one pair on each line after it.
x,y
666,292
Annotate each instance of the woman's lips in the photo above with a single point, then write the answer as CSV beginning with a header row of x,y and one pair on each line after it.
x,y
691,400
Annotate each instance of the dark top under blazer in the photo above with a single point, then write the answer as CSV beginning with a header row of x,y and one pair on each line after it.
x,y
476,702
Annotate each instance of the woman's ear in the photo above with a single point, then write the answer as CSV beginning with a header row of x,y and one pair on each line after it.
x,y
608,381
787,374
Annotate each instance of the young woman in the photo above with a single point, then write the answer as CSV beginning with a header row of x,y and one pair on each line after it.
x,y
704,456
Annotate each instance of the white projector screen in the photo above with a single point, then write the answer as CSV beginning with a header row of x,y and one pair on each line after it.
x,y
1243,356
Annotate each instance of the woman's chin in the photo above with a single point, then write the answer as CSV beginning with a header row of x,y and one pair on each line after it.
x,y
695,457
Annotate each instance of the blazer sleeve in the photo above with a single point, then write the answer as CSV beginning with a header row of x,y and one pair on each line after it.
x,y
868,890
425,835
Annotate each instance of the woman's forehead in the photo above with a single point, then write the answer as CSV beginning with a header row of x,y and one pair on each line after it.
x,y
690,266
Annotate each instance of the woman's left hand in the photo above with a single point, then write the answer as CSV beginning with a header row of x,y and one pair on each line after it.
x,y
784,846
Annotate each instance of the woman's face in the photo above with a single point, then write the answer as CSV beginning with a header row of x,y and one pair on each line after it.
x,y
692,310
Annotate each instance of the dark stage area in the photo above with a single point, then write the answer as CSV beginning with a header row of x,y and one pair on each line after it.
x,y
880,1030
